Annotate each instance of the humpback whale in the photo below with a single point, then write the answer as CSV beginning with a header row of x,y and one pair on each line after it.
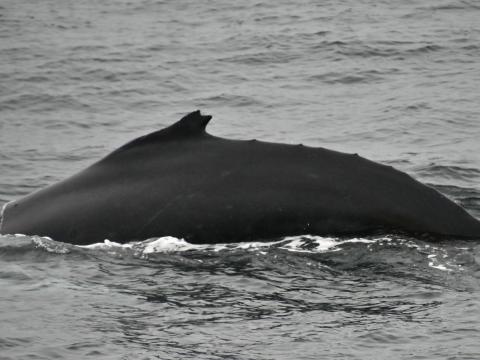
x,y
182,181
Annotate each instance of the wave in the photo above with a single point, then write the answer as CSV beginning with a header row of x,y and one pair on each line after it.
x,y
462,5
367,76
43,102
451,172
234,100
261,58
334,254
377,48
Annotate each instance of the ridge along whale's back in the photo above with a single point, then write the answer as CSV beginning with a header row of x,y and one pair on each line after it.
x,y
184,182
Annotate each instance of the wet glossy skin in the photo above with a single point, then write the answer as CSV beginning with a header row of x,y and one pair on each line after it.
x,y
183,182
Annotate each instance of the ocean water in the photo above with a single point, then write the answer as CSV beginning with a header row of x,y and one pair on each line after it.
x,y
396,82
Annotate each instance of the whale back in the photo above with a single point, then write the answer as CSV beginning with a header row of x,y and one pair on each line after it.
x,y
184,182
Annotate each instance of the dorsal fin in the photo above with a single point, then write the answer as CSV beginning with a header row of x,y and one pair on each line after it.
x,y
190,125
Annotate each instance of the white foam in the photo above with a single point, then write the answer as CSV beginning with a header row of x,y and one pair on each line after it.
x,y
323,244
438,266
304,243
107,244
168,244
50,245
173,244
438,259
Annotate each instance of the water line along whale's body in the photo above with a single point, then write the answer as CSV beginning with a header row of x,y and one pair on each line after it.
x,y
184,182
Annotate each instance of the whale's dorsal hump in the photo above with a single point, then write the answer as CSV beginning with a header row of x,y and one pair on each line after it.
x,y
190,126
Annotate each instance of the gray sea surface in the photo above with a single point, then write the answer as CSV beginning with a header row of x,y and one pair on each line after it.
x,y
396,81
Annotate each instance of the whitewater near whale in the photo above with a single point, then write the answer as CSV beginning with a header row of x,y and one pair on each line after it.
x,y
182,181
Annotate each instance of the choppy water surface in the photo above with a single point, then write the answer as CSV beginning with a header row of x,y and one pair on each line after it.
x,y
396,82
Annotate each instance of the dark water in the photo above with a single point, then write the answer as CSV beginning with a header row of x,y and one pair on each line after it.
x,y
396,82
